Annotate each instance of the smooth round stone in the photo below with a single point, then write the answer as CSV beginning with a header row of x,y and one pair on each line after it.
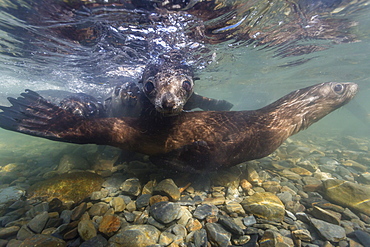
x,y
204,210
86,229
289,175
167,188
217,235
348,194
265,205
135,236
328,231
285,197
165,212
131,187
67,187
41,240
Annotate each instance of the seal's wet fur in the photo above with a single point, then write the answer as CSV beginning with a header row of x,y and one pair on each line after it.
x,y
191,141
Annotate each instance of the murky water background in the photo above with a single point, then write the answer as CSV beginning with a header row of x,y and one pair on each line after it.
x,y
34,55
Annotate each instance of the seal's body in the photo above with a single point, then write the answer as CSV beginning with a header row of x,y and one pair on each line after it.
x,y
190,141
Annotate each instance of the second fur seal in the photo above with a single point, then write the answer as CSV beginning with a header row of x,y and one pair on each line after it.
x,y
191,141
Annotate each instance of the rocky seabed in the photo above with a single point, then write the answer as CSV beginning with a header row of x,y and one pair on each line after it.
x,y
312,193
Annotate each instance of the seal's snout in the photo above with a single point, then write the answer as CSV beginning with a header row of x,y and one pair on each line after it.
x,y
169,104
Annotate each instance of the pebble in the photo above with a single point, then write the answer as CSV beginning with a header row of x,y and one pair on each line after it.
x,y
43,240
341,192
8,231
135,236
167,188
131,187
328,231
265,205
230,225
38,223
165,212
276,200
217,235
118,204
109,225
86,229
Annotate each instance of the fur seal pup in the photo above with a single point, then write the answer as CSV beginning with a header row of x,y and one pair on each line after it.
x,y
191,141
166,87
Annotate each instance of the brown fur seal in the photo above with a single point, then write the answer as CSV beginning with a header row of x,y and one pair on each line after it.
x,y
191,141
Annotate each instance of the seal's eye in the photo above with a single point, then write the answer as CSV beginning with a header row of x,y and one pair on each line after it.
x,y
186,85
149,86
338,88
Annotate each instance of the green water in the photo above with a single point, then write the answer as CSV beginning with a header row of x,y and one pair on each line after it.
x,y
250,77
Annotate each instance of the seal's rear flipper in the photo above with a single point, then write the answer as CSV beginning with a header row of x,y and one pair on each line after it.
x,y
32,114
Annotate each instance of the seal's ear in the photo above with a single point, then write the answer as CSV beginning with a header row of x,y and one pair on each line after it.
x,y
196,78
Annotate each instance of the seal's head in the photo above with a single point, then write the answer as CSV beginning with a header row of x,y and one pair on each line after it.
x,y
168,85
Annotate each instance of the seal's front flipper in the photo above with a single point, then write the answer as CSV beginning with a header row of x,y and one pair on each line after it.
x,y
191,158
32,114
207,104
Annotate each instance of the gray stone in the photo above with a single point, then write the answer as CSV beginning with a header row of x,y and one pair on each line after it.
x,y
143,201
24,233
135,236
131,187
217,235
9,195
328,231
38,223
249,220
165,212
285,197
66,216
200,238
230,225
155,223
204,210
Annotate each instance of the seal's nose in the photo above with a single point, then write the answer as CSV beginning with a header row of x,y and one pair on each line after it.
x,y
168,102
